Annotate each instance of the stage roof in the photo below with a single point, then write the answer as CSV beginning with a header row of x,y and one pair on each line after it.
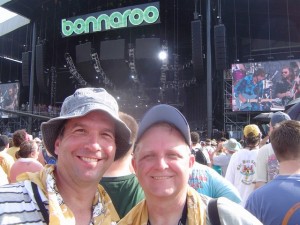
x,y
10,20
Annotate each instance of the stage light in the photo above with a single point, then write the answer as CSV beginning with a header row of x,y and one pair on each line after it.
x,y
11,59
162,55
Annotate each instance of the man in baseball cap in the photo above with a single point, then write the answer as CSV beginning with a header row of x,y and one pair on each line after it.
x,y
85,139
242,165
162,161
267,164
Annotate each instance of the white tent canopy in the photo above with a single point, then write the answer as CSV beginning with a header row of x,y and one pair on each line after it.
x,y
10,21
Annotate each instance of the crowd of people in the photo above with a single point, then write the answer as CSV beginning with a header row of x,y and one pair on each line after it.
x,y
97,165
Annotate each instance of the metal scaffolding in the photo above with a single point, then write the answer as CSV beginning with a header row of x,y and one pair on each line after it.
x,y
14,120
234,122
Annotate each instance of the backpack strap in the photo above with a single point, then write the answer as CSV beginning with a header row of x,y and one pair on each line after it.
x,y
41,205
213,213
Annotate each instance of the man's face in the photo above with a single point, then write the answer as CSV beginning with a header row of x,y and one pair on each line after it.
x,y
285,73
86,148
260,77
162,161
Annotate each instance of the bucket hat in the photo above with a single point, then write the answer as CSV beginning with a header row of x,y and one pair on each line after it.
x,y
82,102
232,145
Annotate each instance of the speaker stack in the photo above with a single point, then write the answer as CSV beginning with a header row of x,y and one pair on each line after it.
x,y
113,61
221,58
41,76
26,56
197,53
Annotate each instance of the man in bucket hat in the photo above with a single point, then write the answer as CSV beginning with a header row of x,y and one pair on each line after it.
x,y
162,160
84,139
230,147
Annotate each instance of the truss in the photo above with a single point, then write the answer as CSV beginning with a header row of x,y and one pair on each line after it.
x,y
234,122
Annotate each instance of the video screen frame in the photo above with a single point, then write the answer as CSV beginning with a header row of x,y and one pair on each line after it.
x,y
265,86
9,98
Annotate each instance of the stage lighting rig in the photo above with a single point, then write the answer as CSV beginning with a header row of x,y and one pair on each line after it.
x,y
100,71
131,62
75,75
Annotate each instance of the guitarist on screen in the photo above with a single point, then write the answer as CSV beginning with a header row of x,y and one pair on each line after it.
x,y
250,87
286,87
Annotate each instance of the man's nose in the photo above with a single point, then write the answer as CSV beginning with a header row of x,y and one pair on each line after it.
x,y
94,142
162,163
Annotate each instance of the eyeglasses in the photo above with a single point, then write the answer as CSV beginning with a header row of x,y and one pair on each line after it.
x,y
285,72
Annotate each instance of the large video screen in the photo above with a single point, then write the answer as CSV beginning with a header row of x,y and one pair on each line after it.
x,y
265,86
9,98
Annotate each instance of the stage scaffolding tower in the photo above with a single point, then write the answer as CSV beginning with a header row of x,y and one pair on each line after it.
x,y
234,122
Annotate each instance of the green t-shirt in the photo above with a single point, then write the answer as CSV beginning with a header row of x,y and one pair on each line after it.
x,y
125,192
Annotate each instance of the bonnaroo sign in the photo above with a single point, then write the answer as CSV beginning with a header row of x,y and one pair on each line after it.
x,y
137,15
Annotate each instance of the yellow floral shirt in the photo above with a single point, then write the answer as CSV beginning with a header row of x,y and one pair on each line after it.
x,y
196,211
104,212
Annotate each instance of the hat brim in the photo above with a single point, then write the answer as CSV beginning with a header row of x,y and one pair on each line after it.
x,y
225,145
50,129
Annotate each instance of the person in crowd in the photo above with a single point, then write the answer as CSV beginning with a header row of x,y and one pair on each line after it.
x,y
230,147
162,160
84,139
11,143
207,150
45,157
278,201
119,180
37,140
3,177
200,153
26,160
207,181
195,137
6,161
18,137
242,166
218,150
267,165
209,147
286,87
250,87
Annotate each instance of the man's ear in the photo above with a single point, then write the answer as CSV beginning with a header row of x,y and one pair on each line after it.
x,y
192,160
56,145
133,163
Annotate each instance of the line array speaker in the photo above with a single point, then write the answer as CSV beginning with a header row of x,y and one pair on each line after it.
x,y
83,52
220,47
112,49
39,68
147,48
26,56
197,53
